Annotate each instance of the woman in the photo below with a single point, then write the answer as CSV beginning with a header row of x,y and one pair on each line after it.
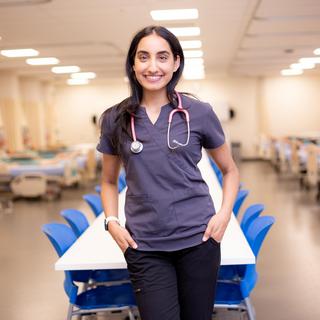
x,y
171,240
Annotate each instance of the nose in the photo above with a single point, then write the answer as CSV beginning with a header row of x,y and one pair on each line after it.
x,y
153,66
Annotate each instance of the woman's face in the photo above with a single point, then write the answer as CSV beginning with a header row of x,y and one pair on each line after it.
x,y
154,63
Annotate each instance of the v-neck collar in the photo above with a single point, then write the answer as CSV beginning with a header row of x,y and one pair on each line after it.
x,y
143,112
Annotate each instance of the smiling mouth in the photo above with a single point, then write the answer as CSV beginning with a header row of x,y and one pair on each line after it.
x,y
153,78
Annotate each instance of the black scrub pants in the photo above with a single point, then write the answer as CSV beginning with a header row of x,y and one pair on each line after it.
x,y
176,285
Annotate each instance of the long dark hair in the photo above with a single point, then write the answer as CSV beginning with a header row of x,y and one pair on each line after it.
x,y
129,106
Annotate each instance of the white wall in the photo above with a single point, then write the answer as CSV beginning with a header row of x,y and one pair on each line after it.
x,y
290,105
76,105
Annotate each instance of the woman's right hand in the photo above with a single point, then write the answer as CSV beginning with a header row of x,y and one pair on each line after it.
x,y
121,236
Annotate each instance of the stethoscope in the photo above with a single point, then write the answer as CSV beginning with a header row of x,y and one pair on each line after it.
x,y
137,146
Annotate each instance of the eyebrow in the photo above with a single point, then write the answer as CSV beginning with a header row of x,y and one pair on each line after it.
x,y
146,52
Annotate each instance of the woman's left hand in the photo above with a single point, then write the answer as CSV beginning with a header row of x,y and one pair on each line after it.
x,y
216,227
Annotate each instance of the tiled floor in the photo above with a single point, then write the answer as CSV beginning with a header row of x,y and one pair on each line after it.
x,y
288,266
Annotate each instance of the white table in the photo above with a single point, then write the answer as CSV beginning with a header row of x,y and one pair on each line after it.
x,y
95,249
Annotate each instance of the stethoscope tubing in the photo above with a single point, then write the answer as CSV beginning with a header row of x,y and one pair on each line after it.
x,y
137,146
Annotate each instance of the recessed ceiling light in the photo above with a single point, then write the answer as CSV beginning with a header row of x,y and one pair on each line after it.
x,y
83,75
291,72
193,53
75,82
302,65
310,60
194,73
175,14
317,51
17,53
185,32
65,69
42,61
193,61
191,44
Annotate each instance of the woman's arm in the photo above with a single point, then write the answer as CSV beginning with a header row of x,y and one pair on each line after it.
x,y
218,223
109,195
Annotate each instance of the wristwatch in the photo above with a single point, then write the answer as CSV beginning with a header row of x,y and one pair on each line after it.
x,y
108,219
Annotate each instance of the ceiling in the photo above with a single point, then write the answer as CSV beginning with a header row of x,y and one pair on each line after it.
x,y
245,37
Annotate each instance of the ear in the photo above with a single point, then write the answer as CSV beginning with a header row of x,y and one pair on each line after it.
x,y
176,63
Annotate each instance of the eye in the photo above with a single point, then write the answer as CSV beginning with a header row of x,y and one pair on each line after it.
x,y
163,58
143,57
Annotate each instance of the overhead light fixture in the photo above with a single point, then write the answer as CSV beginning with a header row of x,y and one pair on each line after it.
x,y
302,65
291,72
310,60
317,51
42,61
193,53
83,75
191,44
175,14
18,53
185,32
194,73
76,82
194,68
193,61
65,69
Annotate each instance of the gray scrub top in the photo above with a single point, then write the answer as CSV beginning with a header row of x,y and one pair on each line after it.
x,y
168,204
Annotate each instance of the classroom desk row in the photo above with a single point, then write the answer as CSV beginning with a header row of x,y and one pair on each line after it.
x,y
96,250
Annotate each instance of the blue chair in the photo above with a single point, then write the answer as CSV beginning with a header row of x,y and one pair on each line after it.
x,y
76,220
242,194
94,202
62,243
121,183
234,272
90,301
217,171
79,223
236,295
97,188
250,214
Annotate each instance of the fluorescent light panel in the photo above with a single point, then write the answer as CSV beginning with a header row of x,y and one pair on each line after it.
x,y
185,32
65,69
83,75
18,53
291,72
301,65
193,61
75,82
317,51
193,53
310,60
191,44
175,14
42,61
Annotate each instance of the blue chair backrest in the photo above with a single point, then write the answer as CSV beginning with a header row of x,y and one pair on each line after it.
x,y
95,203
242,194
76,219
122,181
217,171
250,214
62,237
97,188
256,235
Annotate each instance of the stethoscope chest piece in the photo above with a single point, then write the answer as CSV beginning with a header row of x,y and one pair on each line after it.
x,y
136,146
